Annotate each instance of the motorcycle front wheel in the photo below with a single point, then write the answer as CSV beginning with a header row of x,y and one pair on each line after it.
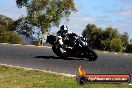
x,y
91,55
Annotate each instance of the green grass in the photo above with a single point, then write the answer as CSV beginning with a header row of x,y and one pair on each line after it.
x,y
11,77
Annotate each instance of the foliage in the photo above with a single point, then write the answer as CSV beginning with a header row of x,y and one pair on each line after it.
x,y
93,33
7,35
10,37
6,23
129,48
105,39
24,27
110,33
124,39
130,40
116,45
106,36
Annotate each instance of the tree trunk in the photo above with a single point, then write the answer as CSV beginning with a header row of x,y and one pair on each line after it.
x,y
44,30
43,39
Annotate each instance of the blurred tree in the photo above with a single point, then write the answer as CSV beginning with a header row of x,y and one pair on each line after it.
x,y
87,32
107,35
7,34
97,38
24,27
93,34
116,45
129,48
104,45
6,23
110,33
10,37
124,39
46,13
130,40
105,39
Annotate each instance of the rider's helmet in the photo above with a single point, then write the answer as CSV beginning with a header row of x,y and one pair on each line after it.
x,y
63,31
63,28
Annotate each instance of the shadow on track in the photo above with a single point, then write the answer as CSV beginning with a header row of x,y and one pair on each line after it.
x,y
55,57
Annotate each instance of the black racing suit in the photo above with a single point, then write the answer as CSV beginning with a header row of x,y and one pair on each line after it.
x,y
66,38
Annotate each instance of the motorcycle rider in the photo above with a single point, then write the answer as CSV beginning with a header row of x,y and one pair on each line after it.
x,y
63,31
61,36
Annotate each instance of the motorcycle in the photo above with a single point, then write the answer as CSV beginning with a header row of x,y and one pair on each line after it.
x,y
72,46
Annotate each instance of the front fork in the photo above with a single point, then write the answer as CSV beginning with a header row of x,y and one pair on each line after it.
x,y
84,52
60,47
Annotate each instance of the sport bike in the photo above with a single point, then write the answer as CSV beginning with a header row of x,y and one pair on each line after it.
x,y
72,46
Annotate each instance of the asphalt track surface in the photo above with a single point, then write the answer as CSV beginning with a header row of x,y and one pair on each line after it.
x,y
45,59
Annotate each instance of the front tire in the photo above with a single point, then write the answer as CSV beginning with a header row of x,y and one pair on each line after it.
x,y
91,55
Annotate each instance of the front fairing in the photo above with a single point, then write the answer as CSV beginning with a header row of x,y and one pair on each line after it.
x,y
82,41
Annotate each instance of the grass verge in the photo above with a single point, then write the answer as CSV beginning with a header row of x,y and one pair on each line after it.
x,y
11,77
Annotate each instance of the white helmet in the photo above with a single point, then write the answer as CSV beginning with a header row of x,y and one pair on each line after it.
x,y
63,27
